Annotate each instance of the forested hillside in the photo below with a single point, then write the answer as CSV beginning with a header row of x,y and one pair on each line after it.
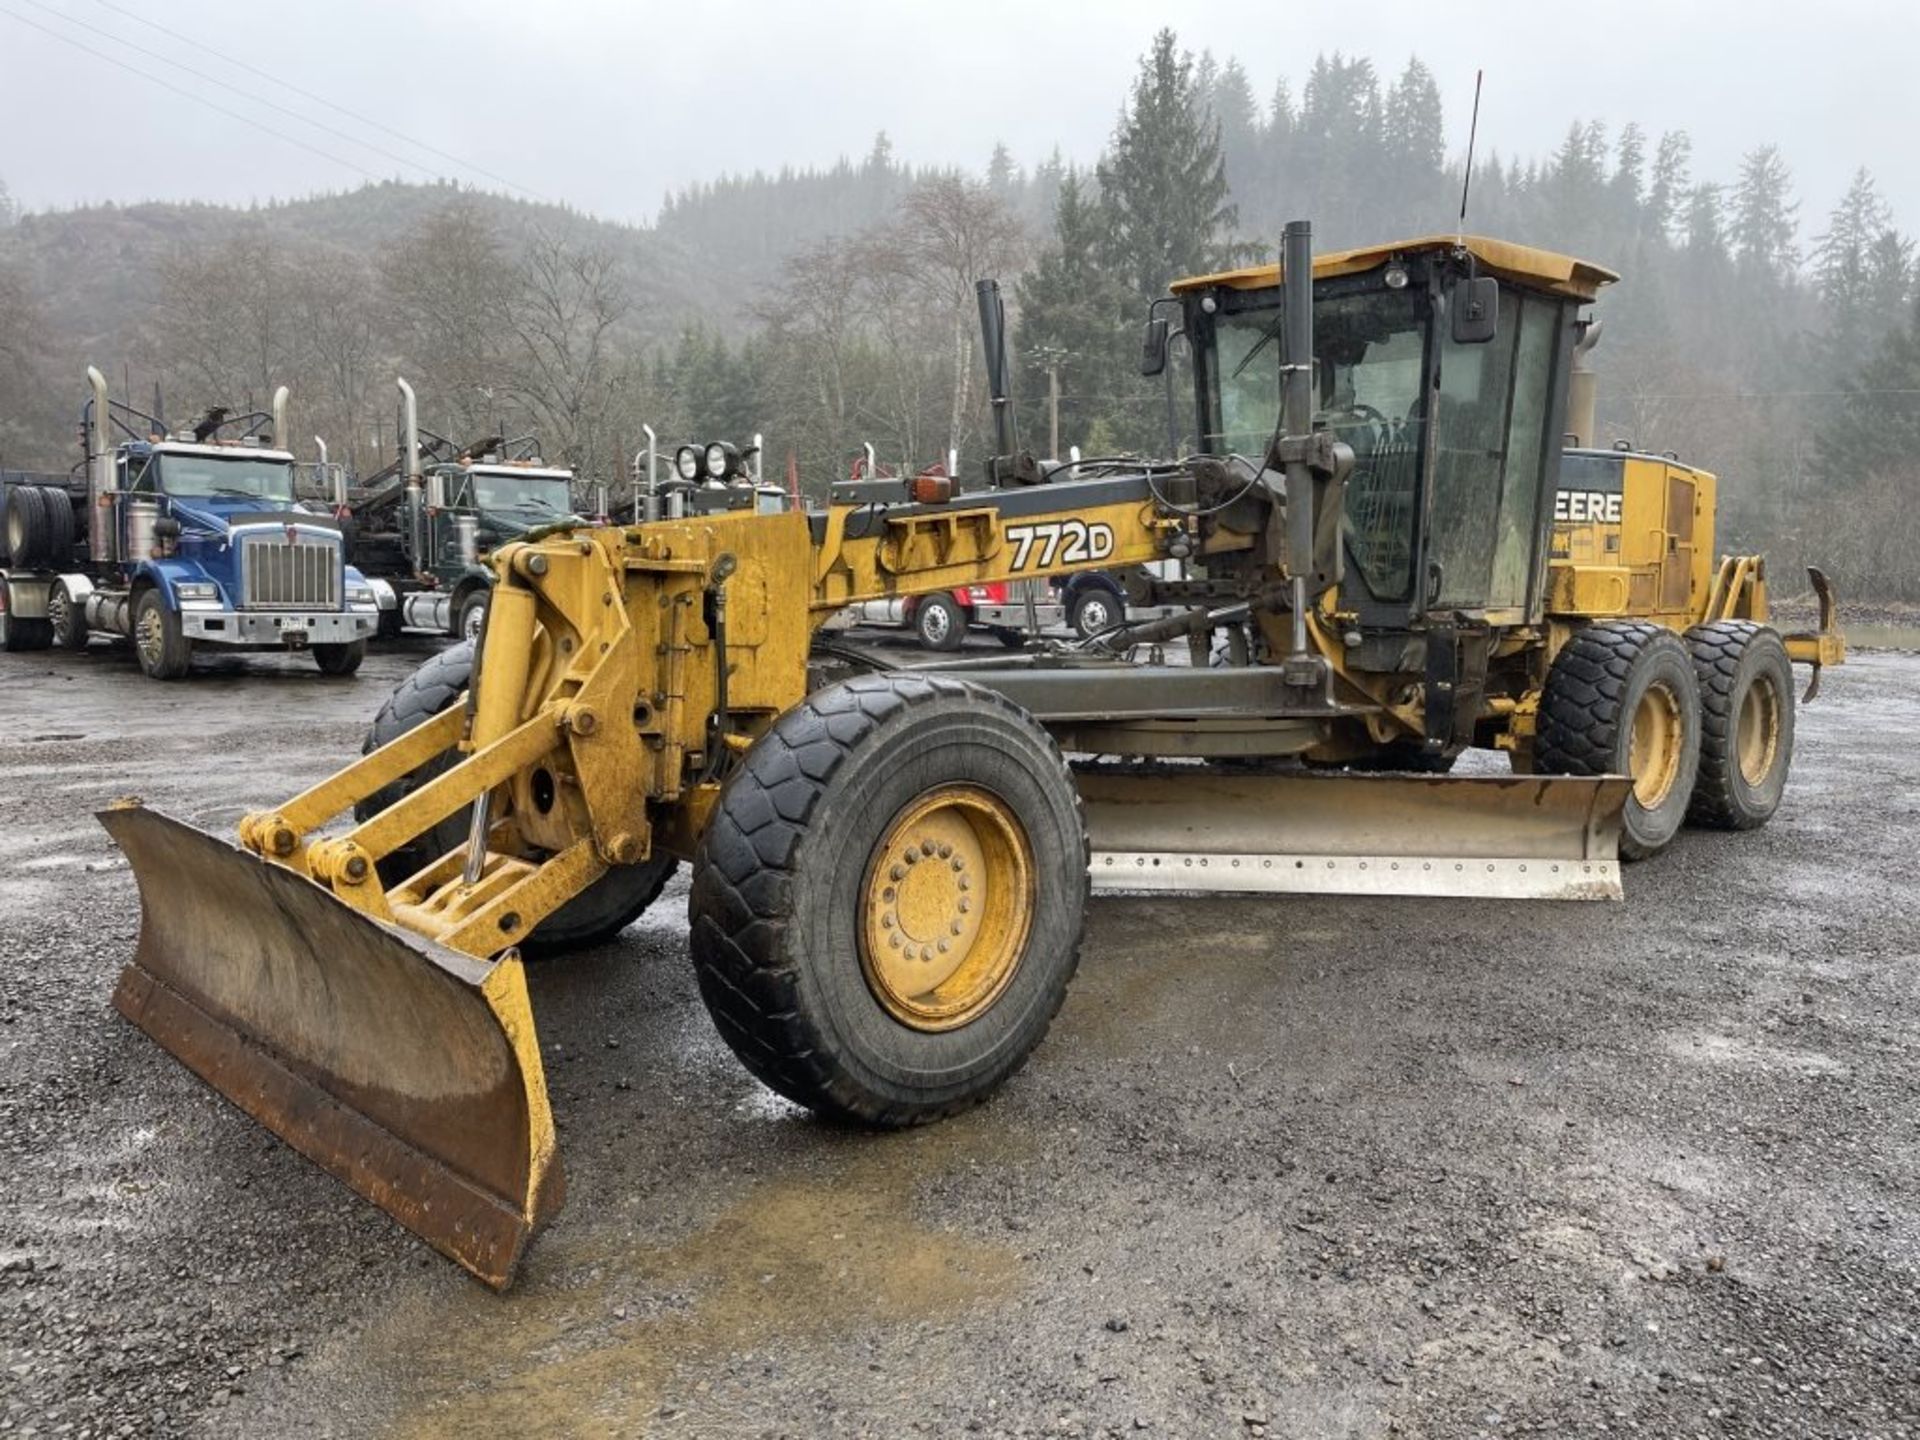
x,y
827,308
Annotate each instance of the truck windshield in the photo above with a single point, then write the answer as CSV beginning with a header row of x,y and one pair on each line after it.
x,y
1370,348
506,490
206,477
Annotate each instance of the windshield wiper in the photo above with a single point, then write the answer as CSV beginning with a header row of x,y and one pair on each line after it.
x,y
1267,337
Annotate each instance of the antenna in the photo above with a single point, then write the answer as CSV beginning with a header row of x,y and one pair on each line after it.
x,y
1473,134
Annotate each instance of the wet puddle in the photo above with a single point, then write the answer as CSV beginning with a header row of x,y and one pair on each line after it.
x,y
594,1343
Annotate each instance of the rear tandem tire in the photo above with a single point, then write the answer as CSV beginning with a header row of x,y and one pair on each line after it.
x,y
1746,742
594,916
842,858
67,620
1622,698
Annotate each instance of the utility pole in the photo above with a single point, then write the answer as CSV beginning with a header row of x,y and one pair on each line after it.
x,y
1050,356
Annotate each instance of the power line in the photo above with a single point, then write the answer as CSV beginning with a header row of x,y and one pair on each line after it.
x,y
291,114
181,90
286,84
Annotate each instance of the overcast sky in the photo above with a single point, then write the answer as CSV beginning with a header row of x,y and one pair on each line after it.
x,y
609,105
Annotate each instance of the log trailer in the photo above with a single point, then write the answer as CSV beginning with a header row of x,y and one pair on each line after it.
x,y
891,867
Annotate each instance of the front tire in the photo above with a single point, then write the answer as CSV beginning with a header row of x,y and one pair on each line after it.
x,y
939,622
1746,742
1622,699
592,917
341,659
159,642
887,906
1095,608
471,617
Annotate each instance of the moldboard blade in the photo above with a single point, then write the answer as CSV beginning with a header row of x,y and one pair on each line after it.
x,y
405,1069
1529,837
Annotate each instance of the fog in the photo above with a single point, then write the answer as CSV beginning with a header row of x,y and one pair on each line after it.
x,y
609,106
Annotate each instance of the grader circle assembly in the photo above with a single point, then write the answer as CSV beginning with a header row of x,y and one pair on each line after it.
x,y
891,868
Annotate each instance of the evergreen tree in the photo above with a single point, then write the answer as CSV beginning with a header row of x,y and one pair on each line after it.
x,y
1668,192
1764,223
1163,185
1413,136
1073,314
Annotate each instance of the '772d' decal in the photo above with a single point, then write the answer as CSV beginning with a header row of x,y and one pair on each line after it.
x,y
1063,542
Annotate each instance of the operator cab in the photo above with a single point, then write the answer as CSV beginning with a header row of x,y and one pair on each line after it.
x,y
1443,365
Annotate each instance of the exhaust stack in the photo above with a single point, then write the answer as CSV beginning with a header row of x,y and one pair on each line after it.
x,y
1580,389
102,534
282,436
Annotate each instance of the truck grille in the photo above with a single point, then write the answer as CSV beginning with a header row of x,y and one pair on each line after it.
x,y
304,575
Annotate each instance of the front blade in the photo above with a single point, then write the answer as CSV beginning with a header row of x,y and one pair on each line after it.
x,y
1497,836
406,1069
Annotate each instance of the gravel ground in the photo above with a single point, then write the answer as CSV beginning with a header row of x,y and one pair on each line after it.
x,y
1300,1167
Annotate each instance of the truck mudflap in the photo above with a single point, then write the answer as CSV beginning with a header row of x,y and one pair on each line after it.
x,y
1520,837
406,1069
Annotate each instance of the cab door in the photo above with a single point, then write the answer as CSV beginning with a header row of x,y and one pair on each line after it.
x,y
1495,447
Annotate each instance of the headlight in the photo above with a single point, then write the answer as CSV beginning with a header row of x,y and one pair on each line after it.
x,y
360,595
721,459
686,462
196,590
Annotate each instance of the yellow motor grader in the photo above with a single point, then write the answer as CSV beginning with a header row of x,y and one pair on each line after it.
x,y
891,867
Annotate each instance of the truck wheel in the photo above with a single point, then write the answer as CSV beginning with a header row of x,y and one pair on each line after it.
x,y
341,659
66,619
19,634
1095,608
1622,699
162,647
887,905
1746,741
594,916
27,527
470,616
939,622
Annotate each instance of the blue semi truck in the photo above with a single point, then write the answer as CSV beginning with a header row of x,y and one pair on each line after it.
x,y
179,540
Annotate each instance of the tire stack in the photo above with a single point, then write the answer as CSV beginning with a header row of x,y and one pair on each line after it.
x,y
39,528
36,533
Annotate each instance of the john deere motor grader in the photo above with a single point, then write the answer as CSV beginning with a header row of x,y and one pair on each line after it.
x,y
890,868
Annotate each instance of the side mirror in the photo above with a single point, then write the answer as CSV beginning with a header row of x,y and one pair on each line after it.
x,y
1153,347
1475,303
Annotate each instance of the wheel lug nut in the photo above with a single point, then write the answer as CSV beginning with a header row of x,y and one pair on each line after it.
x,y
898,872
945,851
912,857
943,947
887,894
965,883
956,927
887,920
965,904
926,847
959,865
894,940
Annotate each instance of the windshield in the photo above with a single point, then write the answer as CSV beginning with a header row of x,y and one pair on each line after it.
x,y
508,490
207,477
1370,349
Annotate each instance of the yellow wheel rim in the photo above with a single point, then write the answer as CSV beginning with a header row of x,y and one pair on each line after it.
x,y
1653,749
1757,735
946,907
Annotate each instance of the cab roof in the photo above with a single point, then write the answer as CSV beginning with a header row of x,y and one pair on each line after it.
x,y
1560,274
